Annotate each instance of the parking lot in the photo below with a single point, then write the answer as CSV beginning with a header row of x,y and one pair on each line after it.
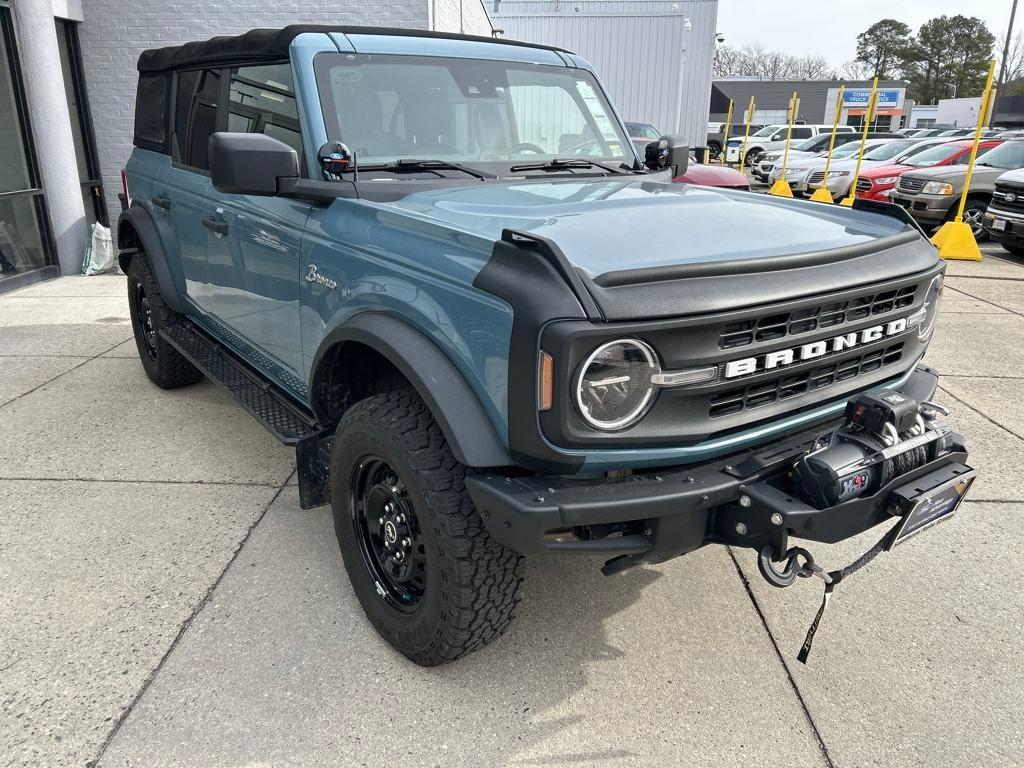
x,y
166,602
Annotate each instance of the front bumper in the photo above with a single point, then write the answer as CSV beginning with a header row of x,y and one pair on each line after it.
x,y
1012,231
662,514
929,208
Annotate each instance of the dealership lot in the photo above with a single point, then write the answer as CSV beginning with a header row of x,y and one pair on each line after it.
x,y
167,602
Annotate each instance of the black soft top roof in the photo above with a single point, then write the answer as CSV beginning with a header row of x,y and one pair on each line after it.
x,y
272,45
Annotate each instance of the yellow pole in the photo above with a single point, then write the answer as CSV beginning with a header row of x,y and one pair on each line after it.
x,y
746,133
781,187
869,114
821,194
955,240
725,138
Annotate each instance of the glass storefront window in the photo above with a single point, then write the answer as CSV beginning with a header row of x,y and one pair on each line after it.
x,y
21,238
14,162
25,243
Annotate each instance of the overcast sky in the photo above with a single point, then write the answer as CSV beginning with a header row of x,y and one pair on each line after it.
x,y
830,28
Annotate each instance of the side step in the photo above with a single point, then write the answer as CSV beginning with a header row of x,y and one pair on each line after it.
x,y
284,420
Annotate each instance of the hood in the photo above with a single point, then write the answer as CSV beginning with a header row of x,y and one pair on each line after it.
x,y
955,173
889,169
712,176
1013,177
608,225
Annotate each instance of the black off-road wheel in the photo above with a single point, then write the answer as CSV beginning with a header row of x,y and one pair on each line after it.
x,y
163,364
429,577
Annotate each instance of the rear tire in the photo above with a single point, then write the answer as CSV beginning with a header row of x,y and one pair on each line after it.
x,y
714,150
429,577
164,365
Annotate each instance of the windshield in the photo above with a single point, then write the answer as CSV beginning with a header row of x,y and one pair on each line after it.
x,y
935,155
813,143
481,113
768,130
1009,156
888,150
847,150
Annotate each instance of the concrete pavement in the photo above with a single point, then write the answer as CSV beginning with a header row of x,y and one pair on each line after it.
x,y
166,602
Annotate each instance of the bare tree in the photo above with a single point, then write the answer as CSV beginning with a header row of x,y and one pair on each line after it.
x,y
856,70
812,67
1014,57
727,61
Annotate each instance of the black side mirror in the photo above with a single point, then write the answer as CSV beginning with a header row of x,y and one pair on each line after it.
x,y
250,163
666,152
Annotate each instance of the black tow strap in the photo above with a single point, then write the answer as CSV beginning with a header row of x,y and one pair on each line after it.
x,y
831,579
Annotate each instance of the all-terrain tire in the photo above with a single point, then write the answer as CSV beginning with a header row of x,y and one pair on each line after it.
x,y
164,365
470,583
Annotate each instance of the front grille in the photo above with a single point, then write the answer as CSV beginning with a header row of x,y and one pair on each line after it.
x,y
863,185
784,387
816,178
809,319
1010,198
911,183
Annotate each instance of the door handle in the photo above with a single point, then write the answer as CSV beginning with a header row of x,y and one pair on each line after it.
x,y
215,225
161,201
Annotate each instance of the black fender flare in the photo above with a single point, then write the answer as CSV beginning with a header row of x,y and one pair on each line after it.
x,y
141,220
466,426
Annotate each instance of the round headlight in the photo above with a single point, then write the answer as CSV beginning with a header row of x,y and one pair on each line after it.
x,y
931,309
613,386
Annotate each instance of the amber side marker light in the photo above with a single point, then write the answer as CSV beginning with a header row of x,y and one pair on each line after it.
x,y
547,381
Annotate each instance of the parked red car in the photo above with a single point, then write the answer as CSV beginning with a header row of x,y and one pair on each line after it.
x,y
713,176
876,183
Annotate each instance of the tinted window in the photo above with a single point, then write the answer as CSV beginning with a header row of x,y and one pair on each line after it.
x,y
802,133
262,100
150,109
195,116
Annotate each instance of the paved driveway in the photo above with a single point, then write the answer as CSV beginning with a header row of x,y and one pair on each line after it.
x,y
165,601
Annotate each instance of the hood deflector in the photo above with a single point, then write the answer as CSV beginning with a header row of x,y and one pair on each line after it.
x,y
691,289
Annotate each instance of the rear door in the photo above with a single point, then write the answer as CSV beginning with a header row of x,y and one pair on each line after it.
x,y
183,185
253,262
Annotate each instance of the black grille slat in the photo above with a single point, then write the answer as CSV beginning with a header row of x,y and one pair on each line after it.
x,y
779,325
788,385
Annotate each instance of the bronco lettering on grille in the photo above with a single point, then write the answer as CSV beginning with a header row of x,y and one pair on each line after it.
x,y
814,349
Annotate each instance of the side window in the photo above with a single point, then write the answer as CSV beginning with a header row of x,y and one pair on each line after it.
x,y
195,116
262,100
802,133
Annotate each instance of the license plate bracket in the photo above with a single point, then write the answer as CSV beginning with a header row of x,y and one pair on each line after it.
x,y
999,224
929,500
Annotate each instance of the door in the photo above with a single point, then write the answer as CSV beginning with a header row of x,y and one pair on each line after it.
x,y
253,267
182,187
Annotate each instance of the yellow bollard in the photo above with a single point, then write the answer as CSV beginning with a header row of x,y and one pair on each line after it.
x,y
746,134
955,240
821,194
781,187
869,114
725,136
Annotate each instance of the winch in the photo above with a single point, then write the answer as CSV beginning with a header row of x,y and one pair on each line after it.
x,y
886,434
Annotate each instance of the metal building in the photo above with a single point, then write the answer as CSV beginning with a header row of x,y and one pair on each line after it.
x,y
653,56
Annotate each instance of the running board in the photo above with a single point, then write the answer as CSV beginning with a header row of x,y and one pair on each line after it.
x,y
283,419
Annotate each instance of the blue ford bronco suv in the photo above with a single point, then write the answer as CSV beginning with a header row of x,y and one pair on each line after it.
x,y
436,265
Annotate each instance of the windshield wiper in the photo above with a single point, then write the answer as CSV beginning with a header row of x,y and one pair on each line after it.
x,y
426,165
557,164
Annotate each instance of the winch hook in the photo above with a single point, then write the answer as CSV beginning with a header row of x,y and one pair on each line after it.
x,y
792,569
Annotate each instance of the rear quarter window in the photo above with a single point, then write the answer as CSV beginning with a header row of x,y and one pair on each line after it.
x,y
151,105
